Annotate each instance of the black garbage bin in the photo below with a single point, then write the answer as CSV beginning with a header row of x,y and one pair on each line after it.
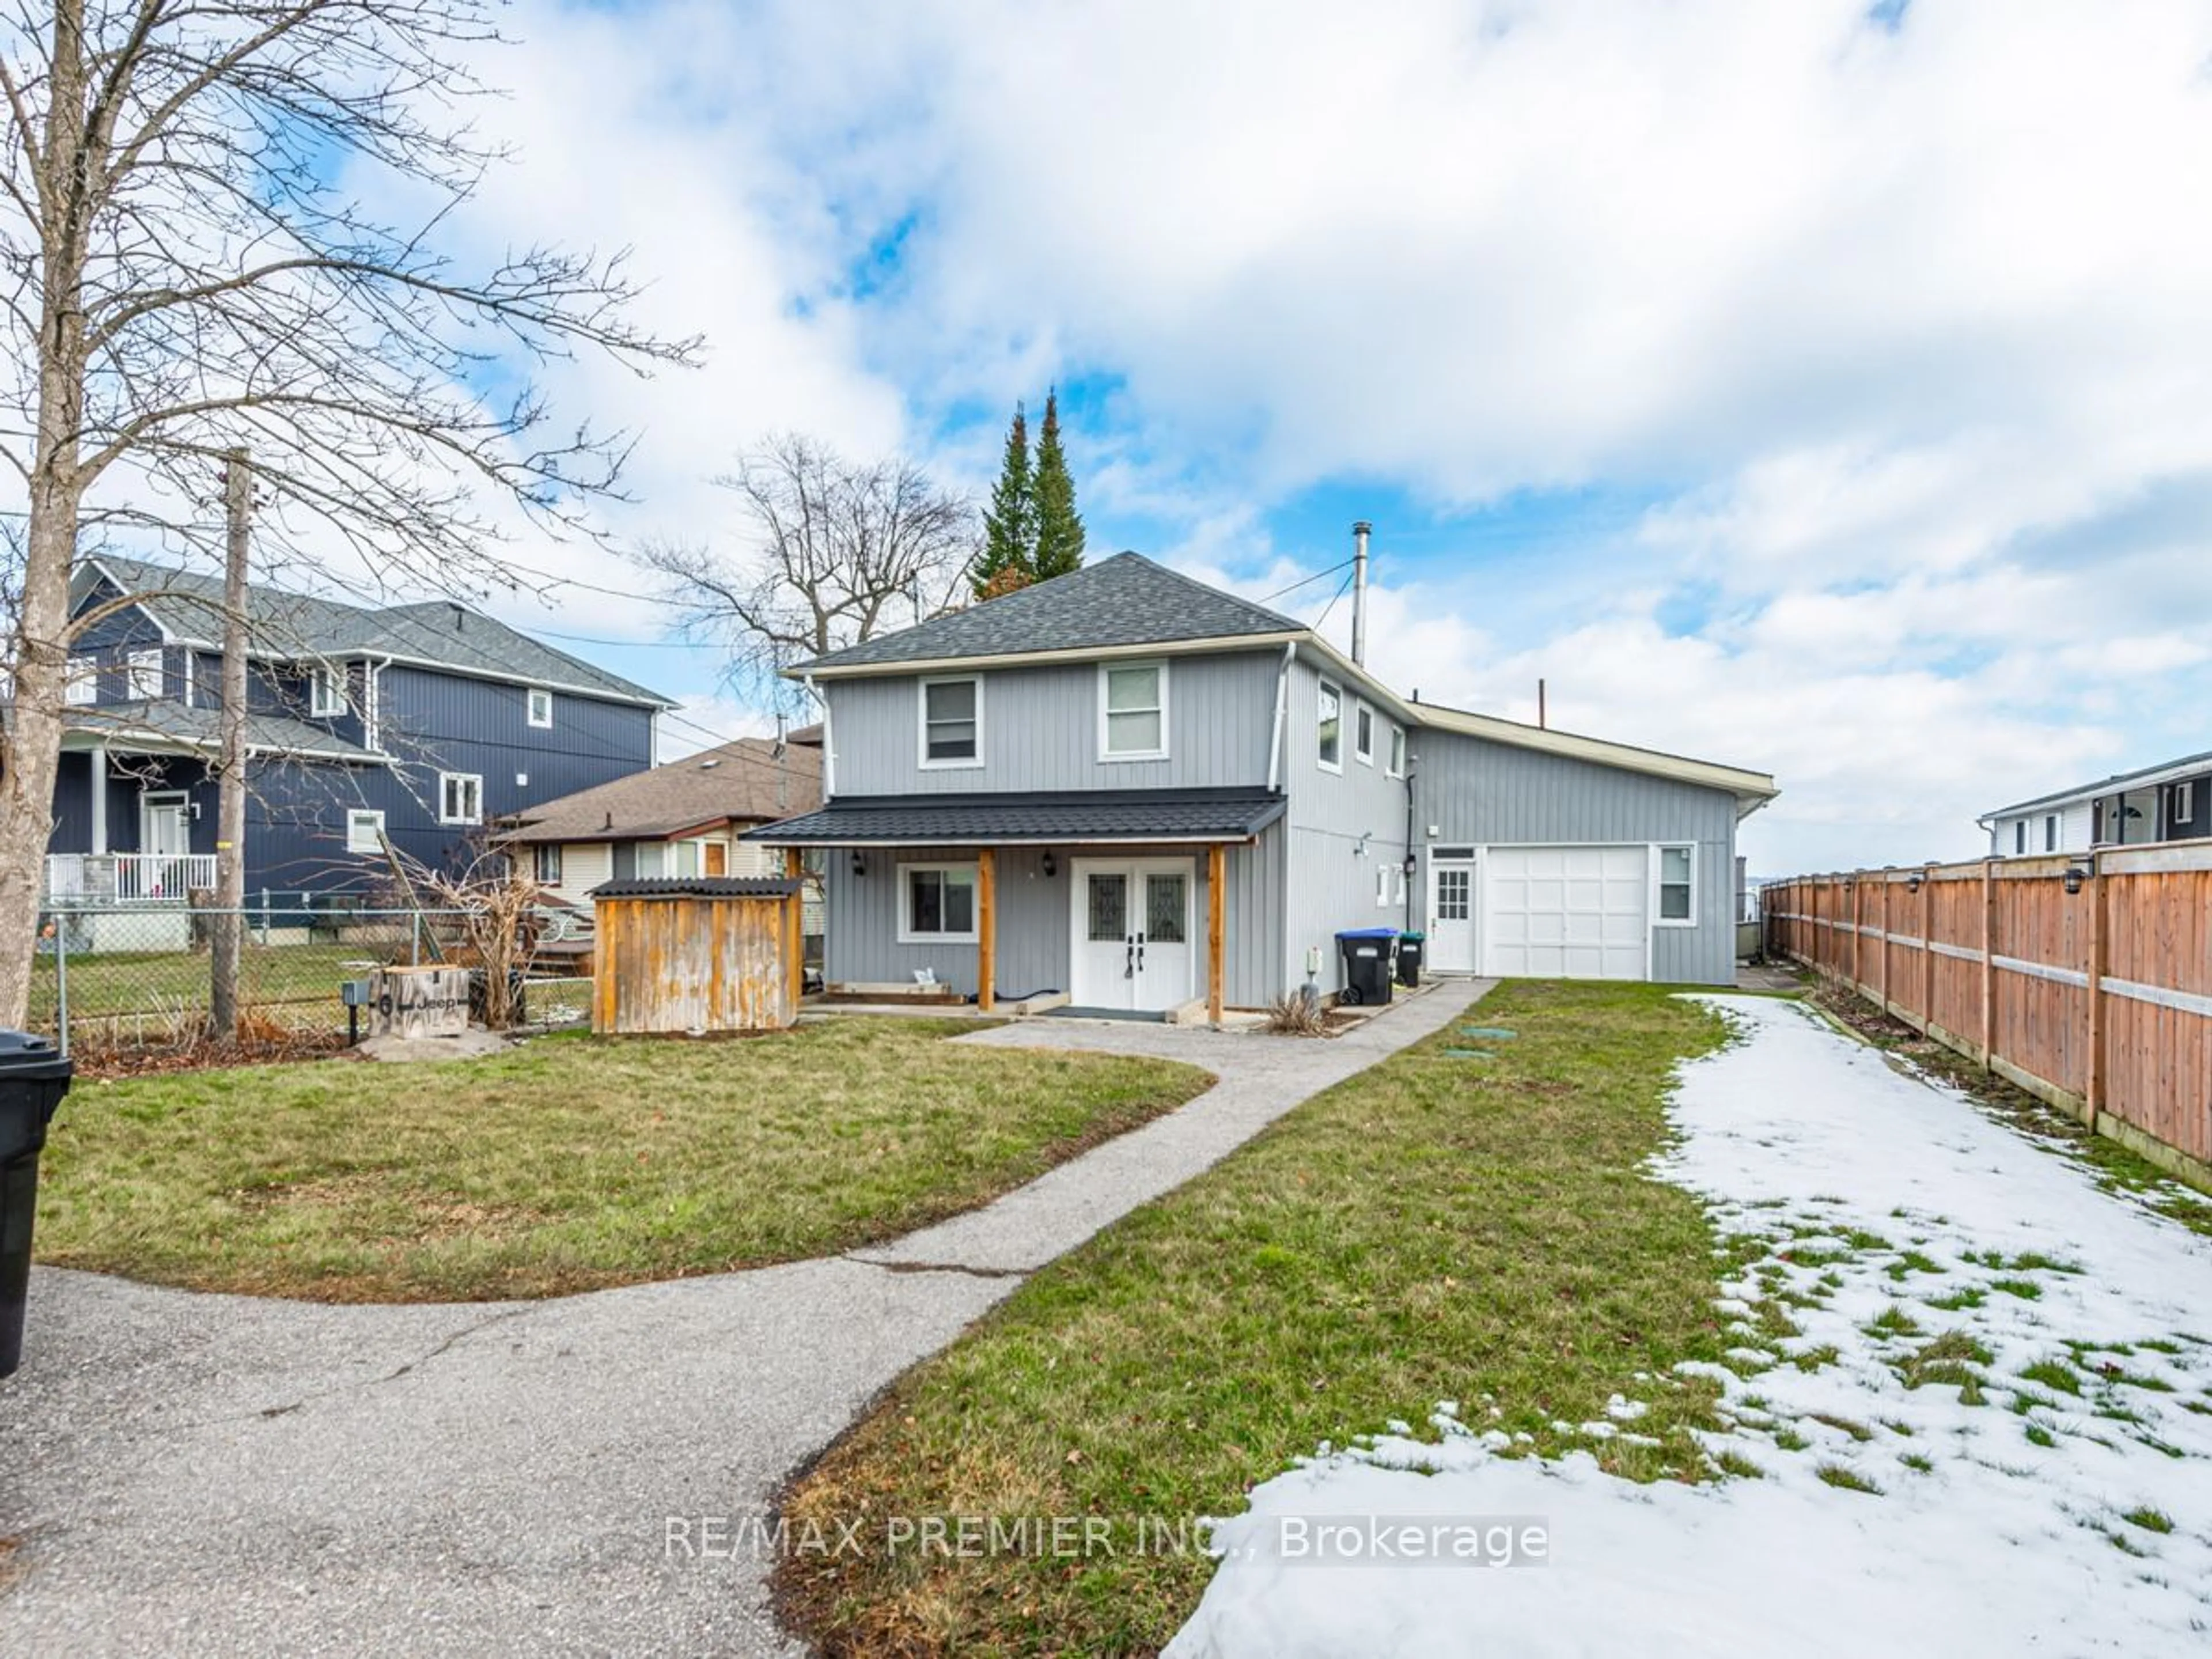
x,y
1413,950
1368,953
33,1078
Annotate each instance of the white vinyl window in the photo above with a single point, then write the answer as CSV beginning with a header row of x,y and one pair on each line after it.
x,y
460,797
2051,832
2181,802
1363,733
1678,877
364,830
2019,835
1133,711
541,707
1389,885
936,903
1396,765
1328,727
326,694
952,722
143,677
668,858
545,864
81,681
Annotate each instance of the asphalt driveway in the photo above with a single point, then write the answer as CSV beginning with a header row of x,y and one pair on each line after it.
x,y
183,1472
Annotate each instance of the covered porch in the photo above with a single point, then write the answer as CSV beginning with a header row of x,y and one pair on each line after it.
x,y
132,827
1142,907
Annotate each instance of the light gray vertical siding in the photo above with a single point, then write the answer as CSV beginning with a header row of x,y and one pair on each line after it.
x,y
861,943
1040,731
1332,880
1489,793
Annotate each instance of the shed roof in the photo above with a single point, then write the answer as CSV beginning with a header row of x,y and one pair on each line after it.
x,y
1094,815
699,887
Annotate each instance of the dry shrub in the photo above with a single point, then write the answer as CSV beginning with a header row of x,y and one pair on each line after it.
x,y
1298,1015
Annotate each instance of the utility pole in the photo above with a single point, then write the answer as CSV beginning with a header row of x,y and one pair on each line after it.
x,y
226,937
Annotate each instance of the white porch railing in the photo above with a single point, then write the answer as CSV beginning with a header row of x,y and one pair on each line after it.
x,y
96,878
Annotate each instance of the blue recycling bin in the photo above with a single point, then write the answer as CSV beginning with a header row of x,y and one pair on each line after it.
x,y
1369,958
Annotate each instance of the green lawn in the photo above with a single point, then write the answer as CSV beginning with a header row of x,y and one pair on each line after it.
x,y
570,1164
1439,1228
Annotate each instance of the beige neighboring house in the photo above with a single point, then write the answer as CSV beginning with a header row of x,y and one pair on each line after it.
x,y
681,819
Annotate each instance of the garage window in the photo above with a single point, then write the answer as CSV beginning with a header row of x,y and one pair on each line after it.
x,y
1678,867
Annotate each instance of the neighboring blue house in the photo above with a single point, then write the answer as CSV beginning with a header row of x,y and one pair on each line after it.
x,y
419,722
1143,794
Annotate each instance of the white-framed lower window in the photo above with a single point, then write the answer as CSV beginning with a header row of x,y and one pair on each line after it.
x,y
1329,726
1133,711
81,681
364,830
668,858
460,797
2019,835
1389,885
545,864
541,707
937,904
1395,766
2051,832
142,678
326,693
1363,733
952,713
1678,887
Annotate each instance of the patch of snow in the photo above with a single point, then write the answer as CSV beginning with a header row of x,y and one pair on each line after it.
x,y
1893,1211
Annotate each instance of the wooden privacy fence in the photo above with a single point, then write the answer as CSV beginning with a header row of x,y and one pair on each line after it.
x,y
2085,979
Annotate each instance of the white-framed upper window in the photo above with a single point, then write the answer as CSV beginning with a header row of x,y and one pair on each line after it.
x,y
952,721
364,830
2019,835
1133,711
2181,801
326,693
936,903
1678,887
2051,832
541,707
460,797
668,858
1396,765
545,863
143,677
81,681
1329,726
1363,733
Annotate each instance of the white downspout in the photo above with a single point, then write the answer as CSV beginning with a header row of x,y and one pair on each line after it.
x,y
828,741
1282,714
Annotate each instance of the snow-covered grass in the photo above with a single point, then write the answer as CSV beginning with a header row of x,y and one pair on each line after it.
x,y
1968,1409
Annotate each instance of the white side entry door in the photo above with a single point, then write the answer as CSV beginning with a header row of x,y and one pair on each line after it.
x,y
1453,946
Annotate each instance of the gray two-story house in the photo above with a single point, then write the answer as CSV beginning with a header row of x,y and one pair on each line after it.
x,y
1141,792
415,725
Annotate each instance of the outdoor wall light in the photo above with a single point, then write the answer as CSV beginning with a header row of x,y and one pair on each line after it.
x,y
1412,864
1051,864
860,864
1913,882
2075,875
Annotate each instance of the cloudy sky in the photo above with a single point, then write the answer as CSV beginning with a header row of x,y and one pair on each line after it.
x,y
1821,388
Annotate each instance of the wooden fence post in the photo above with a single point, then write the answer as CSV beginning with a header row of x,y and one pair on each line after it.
x,y
1927,947
1989,964
1882,944
2093,1085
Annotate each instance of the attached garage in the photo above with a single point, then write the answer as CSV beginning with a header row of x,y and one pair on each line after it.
x,y
1567,912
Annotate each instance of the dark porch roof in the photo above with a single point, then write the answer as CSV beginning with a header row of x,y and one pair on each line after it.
x,y
160,726
1090,815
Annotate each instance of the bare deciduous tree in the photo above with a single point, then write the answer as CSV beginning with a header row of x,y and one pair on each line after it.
x,y
191,261
841,550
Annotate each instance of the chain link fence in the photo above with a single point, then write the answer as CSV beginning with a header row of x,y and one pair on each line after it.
x,y
136,981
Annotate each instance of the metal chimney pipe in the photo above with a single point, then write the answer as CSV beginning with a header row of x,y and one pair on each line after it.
x,y
1360,532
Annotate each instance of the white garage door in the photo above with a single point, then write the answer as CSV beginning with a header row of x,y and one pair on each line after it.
x,y
1567,912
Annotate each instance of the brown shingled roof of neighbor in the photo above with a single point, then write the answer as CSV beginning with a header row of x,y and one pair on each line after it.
x,y
743,782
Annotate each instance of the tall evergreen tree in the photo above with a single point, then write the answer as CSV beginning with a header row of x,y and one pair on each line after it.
x,y
1059,534
1009,557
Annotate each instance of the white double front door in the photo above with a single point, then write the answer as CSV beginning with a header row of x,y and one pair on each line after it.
x,y
1131,931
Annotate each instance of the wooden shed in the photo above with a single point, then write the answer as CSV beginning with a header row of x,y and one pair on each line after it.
x,y
714,953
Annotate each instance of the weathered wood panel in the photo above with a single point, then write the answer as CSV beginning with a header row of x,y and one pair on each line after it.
x,y
2100,999
673,964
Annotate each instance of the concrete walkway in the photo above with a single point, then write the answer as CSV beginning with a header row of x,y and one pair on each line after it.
x,y
225,1475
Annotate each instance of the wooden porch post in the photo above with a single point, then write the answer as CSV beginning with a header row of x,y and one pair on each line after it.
x,y
795,930
987,929
1216,928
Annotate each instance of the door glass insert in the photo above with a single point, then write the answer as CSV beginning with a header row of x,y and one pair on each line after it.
x,y
1452,894
1164,909
1109,909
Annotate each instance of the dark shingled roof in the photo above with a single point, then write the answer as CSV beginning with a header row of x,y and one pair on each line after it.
x,y
281,624
698,887
744,780
122,723
1124,600
1110,815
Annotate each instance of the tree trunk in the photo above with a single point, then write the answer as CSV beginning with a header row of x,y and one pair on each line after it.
x,y
226,936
